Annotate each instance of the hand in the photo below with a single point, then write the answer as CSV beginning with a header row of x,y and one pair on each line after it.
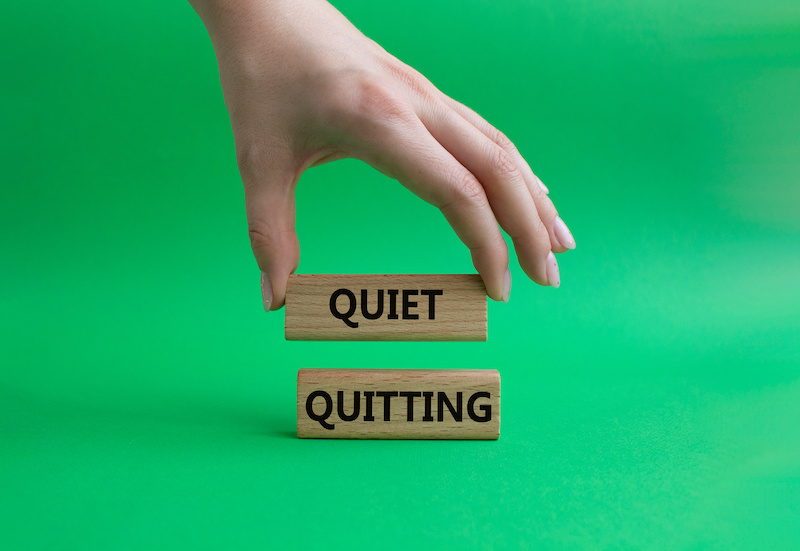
x,y
303,87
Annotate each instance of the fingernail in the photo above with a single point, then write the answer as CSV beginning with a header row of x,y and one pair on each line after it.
x,y
507,285
563,234
541,185
266,291
552,270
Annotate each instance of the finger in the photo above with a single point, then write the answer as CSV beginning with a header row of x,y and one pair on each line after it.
x,y
496,136
560,237
505,186
269,184
408,153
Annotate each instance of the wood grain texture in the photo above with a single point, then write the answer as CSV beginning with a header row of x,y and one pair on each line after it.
x,y
418,307
446,404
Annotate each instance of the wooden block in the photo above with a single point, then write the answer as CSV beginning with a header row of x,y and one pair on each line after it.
x,y
431,404
387,307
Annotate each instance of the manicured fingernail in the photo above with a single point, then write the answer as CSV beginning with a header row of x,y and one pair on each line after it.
x,y
266,291
541,185
506,285
563,234
552,270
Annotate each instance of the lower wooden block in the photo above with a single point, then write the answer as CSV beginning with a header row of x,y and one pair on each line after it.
x,y
446,404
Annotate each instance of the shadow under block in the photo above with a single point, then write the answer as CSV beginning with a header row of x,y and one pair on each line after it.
x,y
386,307
430,404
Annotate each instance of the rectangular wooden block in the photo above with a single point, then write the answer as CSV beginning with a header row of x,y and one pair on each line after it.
x,y
386,307
444,404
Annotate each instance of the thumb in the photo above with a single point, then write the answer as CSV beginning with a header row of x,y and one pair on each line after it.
x,y
269,200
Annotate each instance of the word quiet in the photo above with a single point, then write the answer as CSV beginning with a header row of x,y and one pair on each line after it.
x,y
402,304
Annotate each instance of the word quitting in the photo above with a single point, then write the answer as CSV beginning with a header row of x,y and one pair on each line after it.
x,y
398,403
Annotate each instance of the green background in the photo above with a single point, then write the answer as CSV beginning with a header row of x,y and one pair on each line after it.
x,y
653,401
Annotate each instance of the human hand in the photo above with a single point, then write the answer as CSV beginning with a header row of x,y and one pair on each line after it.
x,y
303,87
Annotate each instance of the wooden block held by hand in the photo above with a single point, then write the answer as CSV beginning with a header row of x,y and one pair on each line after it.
x,y
444,404
386,307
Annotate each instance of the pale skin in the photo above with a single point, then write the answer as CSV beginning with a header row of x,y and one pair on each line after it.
x,y
304,87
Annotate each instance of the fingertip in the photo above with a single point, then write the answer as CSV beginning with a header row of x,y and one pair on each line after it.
x,y
541,185
563,234
277,254
553,276
494,292
491,262
507,286
494,275
273,292
279,287
495,285
266,292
